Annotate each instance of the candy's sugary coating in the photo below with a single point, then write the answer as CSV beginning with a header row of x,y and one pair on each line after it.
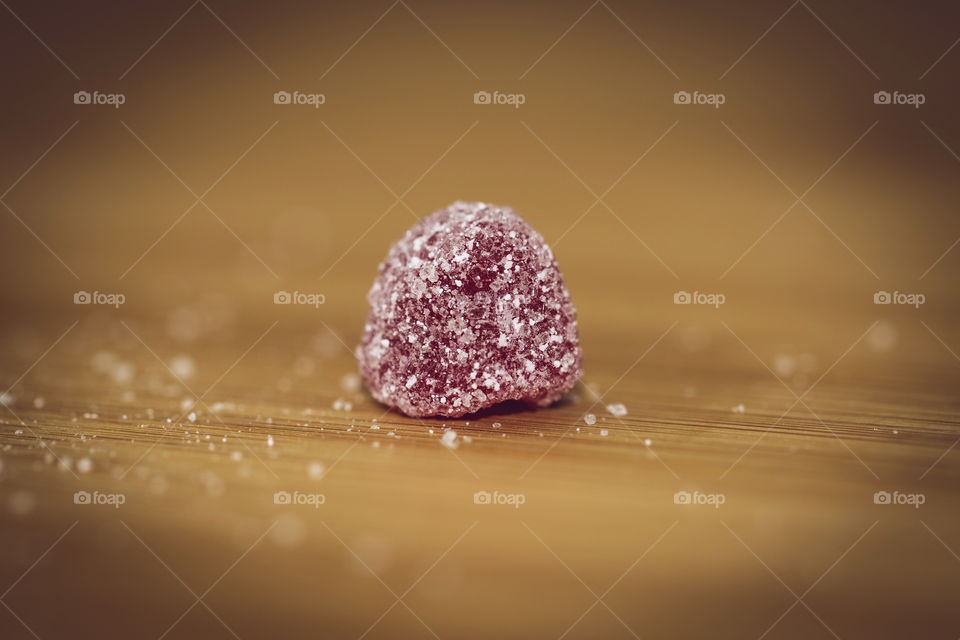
x,y
468,310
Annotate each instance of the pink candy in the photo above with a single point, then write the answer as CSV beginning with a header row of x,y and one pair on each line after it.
x,y
469,310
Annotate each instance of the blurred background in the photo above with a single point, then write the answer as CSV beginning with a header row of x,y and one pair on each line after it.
x,y
196,158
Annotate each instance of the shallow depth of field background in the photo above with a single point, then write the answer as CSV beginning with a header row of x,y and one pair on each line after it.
x,y
798,199
599,99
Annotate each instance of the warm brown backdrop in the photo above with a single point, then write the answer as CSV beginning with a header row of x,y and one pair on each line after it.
x,y
638,196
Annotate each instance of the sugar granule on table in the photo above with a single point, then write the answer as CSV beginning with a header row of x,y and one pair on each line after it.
x,y
449,439
468,310
619,410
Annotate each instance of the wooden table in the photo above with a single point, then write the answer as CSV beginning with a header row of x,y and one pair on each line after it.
x,y
148,450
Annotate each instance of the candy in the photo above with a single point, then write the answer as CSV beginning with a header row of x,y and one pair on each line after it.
x,y
469,310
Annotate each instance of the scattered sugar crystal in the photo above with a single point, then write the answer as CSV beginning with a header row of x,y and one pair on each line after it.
x,y
590,419
784,364
619,410
6,398
497,425
739,408
449,439
122,372
648,442
376,444
38,402
183,366
236,456
604,432
192,416
350,382
18,432
269,441
469,310
315,470
84,465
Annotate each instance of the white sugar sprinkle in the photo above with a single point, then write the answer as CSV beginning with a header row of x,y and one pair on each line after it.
x,y
617,409
449,439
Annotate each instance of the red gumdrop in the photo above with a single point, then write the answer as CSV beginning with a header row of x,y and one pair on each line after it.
x,y
469,310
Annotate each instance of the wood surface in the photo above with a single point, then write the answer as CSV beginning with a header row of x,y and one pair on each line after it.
x,y
786,409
